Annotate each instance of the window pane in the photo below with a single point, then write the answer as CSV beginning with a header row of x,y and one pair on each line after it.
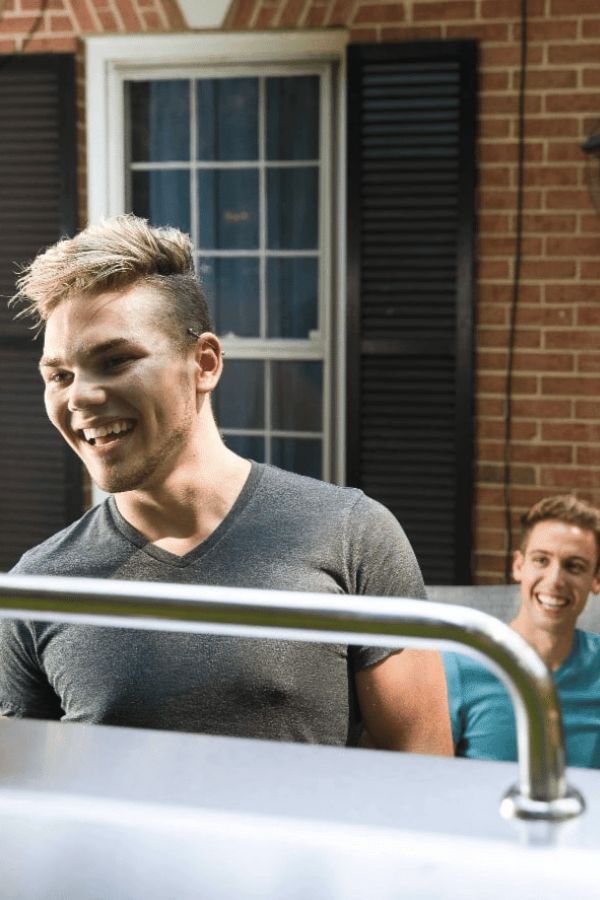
x,y
162,197
160,120
296,389
248,445
292,297
228,119
228,204
240,397
231,287
293,118
293,208
298,455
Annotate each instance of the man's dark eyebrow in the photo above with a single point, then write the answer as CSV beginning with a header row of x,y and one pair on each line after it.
x,y
55,362
548,553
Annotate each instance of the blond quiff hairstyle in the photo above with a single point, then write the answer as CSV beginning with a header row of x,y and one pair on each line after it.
x,y
114,255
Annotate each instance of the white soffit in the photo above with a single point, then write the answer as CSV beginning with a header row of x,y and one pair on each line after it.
x,y
204,13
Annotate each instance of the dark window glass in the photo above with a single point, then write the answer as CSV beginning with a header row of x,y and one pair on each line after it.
x,y
293,117
227,119
240,397
228,204
293,196
231,288
298,455
296,391
162,197
248,445
160,120
292,296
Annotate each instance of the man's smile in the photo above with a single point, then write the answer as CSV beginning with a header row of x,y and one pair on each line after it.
x,y
107,433
551,602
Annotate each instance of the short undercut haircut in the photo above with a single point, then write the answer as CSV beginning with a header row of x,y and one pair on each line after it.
x,y
562,508
115,255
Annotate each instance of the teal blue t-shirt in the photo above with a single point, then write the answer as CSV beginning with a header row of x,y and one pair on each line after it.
x,y
481,713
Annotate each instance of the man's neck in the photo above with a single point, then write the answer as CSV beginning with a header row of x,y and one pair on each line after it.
x,y
553,648
188,506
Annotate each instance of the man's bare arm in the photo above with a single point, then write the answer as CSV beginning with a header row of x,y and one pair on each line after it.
x,y
404,703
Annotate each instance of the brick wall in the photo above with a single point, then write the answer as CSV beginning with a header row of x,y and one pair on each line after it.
x,y
556,402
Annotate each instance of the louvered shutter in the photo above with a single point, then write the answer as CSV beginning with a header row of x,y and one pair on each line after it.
x,y
40,479
411,178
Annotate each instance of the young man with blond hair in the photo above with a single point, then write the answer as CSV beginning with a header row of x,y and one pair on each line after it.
x,y
458,707
129,364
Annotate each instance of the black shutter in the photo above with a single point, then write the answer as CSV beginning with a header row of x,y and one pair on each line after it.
x,y
40,479
411,183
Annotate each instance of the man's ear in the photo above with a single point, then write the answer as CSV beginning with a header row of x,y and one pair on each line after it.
x,y
209,357
596,583
517,565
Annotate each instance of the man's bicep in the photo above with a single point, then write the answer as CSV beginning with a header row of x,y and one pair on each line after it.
x,y
404,704
24,688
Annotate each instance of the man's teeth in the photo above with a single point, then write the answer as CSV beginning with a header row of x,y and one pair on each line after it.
x,y
118,427
552,602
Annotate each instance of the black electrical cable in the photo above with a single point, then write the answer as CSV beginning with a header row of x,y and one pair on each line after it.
x,y
515,293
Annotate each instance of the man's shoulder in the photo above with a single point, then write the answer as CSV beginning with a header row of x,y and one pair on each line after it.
x,y
63,552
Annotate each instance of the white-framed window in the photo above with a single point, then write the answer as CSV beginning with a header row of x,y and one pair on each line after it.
x,y
236,140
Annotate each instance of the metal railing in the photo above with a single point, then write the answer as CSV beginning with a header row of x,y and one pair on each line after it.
x,y
541,793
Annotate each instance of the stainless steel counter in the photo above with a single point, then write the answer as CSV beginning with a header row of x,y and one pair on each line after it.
x,y
119,814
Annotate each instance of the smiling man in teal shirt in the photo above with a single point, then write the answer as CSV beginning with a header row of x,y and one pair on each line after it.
x,y
458,707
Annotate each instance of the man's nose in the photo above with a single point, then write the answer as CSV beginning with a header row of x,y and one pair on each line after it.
x,y
84,392
555,573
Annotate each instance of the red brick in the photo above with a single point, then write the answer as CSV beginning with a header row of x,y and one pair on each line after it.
x,y
572,200
265,17
574,432
567,293
362,35
129,15
510,9
538,453
547,30
498,337
540,408
174,15
17,24
574,54
589,315
547,268
541,315
52,45
380,12
505,246
544,362
506,104
493,81
152,21
493,268
341,12
84,17
571,387
550,223
591,77
587,456
590,270
590,28
107,20
490,450
551,175
572,102
564,151
571,340
408,33
60,23
445,10
573,246
589,224
570,479
497,32
547,79
494,55
562,126
241,16
492,315
290,14
588,362
489,539
587,409
491,360
571,8
315,18
494,223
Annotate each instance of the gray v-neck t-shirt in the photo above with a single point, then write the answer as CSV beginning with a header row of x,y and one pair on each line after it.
x,y
283,532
